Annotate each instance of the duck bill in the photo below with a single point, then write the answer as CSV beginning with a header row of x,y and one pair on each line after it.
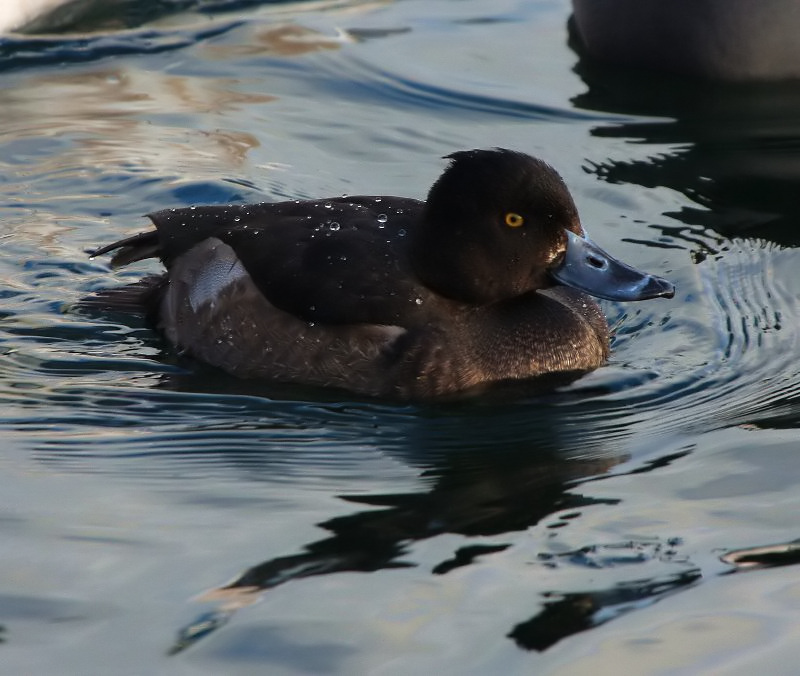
x,y
587,267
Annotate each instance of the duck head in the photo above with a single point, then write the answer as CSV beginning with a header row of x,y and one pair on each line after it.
x,y
500,223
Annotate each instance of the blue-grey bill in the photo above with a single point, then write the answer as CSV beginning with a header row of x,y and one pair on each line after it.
x,y
587,267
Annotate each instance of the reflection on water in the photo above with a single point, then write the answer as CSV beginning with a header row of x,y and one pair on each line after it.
x,y
470,495
103,110
285,40
736,147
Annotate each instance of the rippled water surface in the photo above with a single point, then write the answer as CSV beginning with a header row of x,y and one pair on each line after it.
x,y
158,517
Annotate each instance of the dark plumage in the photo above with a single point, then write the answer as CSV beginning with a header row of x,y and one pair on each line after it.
x,y
391,296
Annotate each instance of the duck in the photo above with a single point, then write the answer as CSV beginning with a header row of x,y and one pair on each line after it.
x,y
489,280
719,40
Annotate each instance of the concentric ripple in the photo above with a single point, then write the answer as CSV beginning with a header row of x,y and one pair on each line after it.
x,y
727,356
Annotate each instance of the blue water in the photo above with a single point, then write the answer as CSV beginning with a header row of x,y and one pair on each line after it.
x,y
158,517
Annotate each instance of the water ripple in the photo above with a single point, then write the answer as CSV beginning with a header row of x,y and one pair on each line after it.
x,y
18,51
345,75
740,334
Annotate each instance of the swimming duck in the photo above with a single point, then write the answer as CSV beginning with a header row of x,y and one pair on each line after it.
x,y
734,40
482,283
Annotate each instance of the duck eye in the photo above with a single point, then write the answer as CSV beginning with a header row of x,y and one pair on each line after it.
x,y
514,220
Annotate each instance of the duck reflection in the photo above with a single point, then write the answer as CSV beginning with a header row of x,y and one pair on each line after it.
x,y
486,479
568,614
735,148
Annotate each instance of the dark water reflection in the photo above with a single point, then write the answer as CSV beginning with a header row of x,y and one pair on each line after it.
x,y
736,147
488,472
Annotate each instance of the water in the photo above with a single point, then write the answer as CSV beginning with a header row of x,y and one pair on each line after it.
x,y
157,517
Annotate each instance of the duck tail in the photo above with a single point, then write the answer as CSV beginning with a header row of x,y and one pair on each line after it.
x,y
139,298
132,249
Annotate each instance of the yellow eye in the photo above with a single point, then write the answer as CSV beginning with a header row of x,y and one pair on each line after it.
x,y
514,220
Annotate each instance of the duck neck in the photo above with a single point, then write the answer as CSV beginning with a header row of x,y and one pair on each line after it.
x,y
453,265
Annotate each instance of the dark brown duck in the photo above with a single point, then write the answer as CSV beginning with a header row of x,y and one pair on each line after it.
x,y
484,282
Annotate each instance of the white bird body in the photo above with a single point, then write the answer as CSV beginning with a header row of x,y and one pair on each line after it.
x,y
16,14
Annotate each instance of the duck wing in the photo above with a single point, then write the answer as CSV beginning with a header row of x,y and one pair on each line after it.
x,y
337,261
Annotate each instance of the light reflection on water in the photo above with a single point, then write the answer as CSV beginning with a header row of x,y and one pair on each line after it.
x,y
499,535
